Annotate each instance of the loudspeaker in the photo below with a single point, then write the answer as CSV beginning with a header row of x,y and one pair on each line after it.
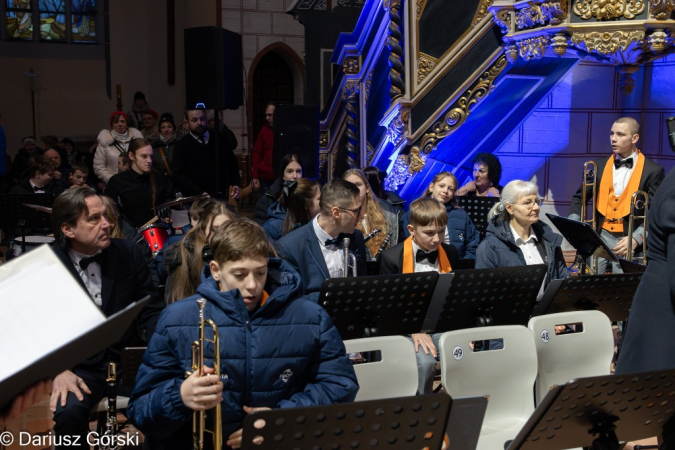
x,y
296,130
213,68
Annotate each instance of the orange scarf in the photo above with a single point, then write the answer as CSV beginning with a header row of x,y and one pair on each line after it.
x,y
409,258
263,298
614,208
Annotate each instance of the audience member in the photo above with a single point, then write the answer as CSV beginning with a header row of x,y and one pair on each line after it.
x,y
163,146
376,181
20,164
135,115
112,143
150,129
299,203
461,232
487,170
262,173
315,250
60,172
38,179
291,170
78,175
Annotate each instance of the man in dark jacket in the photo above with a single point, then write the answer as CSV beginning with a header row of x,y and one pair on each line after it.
x,y
278,350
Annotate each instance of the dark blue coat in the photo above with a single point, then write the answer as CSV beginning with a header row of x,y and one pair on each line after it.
x,y
300,248
462,232
499,249
287,354
275,221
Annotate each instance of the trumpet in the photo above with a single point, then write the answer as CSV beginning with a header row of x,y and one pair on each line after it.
x,y
199,417
111,418
348,260
639,201
590,180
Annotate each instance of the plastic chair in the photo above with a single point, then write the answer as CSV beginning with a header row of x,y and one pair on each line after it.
x,y
563,357
394,376
506,375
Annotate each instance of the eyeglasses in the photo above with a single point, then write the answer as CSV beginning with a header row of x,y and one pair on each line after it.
x,y
353,211
530,204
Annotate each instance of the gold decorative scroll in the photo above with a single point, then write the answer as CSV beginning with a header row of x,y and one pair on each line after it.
x,y
607,43
323,139
608,9
351,65
661,9
425,64
482,11
398,127
420,7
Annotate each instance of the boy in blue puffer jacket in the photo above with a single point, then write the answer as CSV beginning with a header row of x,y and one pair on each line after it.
x,y
278,350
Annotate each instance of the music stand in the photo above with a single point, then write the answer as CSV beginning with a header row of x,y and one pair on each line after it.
x,y
397,424
599,412
15,214
382,305
477,208
485,297
612,294
631,267
465,422
584,238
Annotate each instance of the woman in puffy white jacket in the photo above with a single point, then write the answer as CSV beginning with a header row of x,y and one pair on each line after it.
x,y
111,144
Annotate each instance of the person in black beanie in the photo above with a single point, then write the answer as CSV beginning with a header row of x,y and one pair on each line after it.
x,y
164,145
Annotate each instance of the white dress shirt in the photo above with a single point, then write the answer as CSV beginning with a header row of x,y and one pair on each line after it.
x,y
621,176
530,252
332,254
91,277
424,266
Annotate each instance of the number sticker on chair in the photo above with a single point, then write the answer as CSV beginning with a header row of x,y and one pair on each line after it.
x,y
545,336
458,352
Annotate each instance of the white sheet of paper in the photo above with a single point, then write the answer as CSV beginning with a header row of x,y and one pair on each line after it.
x,y
42,307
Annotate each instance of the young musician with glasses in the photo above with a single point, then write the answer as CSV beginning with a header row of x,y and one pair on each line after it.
x,y
315,249
516,236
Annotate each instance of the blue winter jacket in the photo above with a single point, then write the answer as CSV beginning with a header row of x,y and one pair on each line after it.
x,y
275,221
499,249
462,232
286,354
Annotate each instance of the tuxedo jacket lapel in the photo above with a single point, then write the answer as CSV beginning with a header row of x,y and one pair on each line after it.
x,y
312,245
108,271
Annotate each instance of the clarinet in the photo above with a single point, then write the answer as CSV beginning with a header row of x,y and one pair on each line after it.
x,y
108,441
371,235
383,247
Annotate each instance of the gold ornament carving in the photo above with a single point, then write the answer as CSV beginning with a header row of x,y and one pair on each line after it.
x,y
350,89
559,43
398,128
661,9
420,7
511,53
425,64
608,9
369,82
503,20
626,81
350,65
457,115
370,153
607,43
532,48
482,11
659,40
323,160
539,14
323,139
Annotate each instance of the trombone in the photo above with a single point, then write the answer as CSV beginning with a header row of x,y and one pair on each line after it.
x,y
639,201
199,417
348,260
590,180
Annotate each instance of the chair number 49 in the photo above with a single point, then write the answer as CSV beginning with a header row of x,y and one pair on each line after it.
x,y
458,352
545,336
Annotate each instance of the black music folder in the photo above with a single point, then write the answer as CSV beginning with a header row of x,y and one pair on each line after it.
x,y
35,342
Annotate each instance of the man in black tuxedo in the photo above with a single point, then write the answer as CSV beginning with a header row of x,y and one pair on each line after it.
x,y
618,176
315,250
114,273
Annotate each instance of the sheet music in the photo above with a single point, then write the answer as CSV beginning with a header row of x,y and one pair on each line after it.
x,y
42,307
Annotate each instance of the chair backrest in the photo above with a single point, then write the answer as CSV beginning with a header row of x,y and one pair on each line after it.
x,y
132,357
563,357
395,375
506,375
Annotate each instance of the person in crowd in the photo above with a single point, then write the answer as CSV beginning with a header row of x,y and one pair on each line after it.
x,y
487,170
262,174
423,251
315,250
299,203
516,237
375,217
20,164
114,273
139,107
72,154
123,162
111,144
164,144
187,276
139,191
461,232
618,176
78,174
39,180
256,301
376,181
291,170
150,129
225,134
61,172
194,160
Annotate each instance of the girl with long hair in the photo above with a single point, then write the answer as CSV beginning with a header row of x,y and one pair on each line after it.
x,y
299,203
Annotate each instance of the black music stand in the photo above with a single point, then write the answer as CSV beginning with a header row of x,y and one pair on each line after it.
x,y
397,424
383,305
477,208
14,214
612,294
631,267
485,297
584,238
465,422
600,412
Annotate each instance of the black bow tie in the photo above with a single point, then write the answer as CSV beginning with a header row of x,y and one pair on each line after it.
x,y
97,258
336,241
421,255
628,162
38,189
